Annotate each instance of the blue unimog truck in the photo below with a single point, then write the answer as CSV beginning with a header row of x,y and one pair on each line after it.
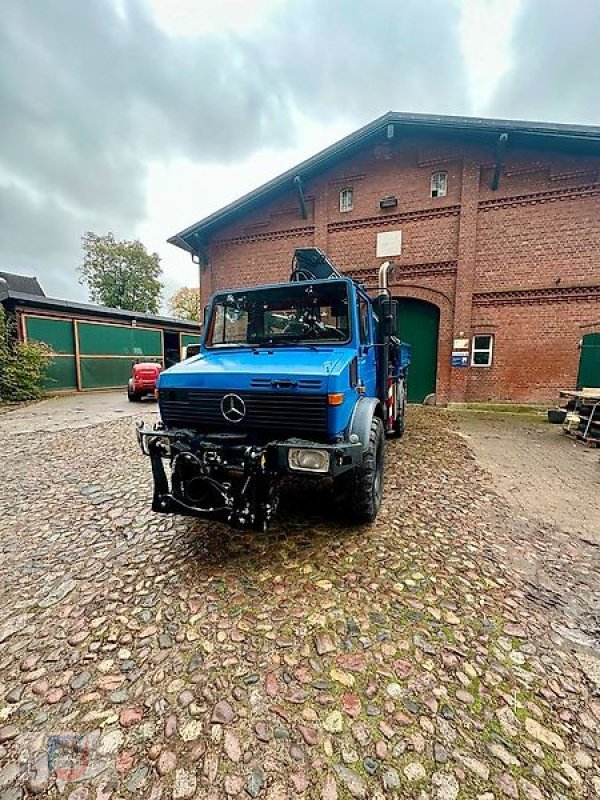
x,y
303,378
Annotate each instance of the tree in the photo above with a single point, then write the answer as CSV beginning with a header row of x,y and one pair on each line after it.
x,y
22,364
185,304
121,274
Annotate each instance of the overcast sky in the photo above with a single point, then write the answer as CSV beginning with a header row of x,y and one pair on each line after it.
x,y
142,116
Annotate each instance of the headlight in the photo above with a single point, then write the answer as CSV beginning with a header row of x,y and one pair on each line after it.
x,y
308,460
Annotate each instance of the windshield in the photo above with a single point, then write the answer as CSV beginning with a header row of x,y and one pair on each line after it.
x,y
310,313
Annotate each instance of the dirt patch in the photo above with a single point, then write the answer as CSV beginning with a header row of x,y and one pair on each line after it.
x,y
551,487
539,470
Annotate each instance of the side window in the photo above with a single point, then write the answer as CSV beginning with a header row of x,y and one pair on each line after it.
x,y
346,200
439,184
363,316
482,350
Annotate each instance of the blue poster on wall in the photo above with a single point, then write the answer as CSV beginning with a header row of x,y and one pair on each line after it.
x,y
460,358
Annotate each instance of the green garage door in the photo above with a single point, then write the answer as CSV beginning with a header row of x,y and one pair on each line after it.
x,y
418,324
61,373
107,352
589,362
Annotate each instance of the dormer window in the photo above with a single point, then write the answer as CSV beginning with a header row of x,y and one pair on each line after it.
x,y
439,184
346,200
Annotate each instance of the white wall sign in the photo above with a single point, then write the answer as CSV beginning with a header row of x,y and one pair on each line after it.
x,y
389,243
460,344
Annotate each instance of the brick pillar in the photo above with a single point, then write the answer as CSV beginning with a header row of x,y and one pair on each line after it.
x,y
465,274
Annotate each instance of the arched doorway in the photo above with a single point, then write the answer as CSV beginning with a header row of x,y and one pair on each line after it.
x,y
419,325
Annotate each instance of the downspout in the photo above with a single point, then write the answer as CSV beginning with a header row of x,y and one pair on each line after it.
x,y
500,151
301,198
201,258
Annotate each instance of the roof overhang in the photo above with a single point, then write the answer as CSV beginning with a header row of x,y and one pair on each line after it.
x,y
577,138
23,301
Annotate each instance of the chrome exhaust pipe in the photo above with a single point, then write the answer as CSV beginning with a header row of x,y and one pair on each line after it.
x,y
385,270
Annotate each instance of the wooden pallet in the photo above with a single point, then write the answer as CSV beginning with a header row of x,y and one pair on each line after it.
x,y
589,441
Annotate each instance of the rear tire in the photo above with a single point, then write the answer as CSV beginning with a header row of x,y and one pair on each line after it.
x,y
359,491
133,397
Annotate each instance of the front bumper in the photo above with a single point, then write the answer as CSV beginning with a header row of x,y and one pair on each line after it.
x,y
233,480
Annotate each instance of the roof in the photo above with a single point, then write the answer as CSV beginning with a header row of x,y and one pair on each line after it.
x,y
23,299
581,138
9,281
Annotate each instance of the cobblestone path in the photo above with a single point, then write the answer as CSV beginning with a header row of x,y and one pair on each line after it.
x,y
185,660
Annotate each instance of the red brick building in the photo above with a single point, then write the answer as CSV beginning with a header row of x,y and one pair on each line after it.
x,y
493,225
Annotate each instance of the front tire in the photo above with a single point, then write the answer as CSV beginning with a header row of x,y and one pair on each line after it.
x,y
359,491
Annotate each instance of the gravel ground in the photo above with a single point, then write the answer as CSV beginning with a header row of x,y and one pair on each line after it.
x,y
406,659
70,412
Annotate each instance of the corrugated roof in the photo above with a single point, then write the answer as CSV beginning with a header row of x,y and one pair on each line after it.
x,y
521,133
12,299
10,281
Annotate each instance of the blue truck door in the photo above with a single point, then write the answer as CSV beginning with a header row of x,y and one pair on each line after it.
x,y
367,366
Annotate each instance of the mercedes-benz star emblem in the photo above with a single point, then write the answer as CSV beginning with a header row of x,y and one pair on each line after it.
x,y
233,408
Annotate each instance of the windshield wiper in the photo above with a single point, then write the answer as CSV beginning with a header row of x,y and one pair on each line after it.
x,y
282,341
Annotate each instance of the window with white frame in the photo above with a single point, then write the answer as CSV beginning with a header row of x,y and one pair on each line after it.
x,y
482,350
346,200
439,184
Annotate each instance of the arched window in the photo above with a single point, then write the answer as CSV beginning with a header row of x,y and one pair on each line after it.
x,y
439,184
346,200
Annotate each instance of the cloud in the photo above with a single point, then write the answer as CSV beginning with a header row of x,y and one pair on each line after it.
x,y
356,58
93,92
556,63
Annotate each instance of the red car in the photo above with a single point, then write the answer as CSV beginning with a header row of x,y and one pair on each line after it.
x,y
143,380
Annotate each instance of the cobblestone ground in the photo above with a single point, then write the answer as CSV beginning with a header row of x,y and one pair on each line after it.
x,y
398,660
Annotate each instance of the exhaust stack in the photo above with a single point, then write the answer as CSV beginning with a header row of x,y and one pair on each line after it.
x,y
385,270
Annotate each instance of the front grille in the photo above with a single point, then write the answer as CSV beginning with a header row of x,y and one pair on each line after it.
x,y
281,413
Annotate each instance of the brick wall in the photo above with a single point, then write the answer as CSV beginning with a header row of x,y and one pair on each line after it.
x,y
521,263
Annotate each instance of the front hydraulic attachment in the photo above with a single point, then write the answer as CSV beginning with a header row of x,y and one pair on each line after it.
x,y
217,477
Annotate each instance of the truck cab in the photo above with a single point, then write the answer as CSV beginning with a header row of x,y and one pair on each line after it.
x,y
302,378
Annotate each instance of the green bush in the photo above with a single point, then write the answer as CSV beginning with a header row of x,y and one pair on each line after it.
x,y
22,366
